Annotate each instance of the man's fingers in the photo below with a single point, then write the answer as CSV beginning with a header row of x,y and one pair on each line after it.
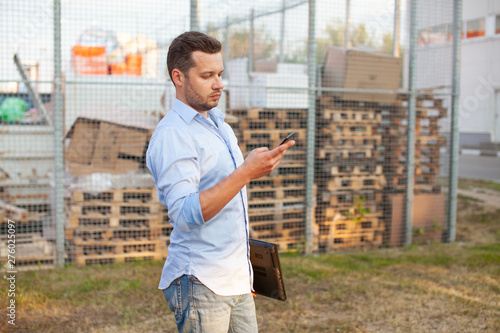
x,y
282,148
261,149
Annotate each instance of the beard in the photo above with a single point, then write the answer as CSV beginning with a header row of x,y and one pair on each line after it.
x,y
196,101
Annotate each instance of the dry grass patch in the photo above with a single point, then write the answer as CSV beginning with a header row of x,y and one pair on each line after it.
x,y
431,288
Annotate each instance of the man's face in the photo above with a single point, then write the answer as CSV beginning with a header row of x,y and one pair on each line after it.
x,y
203,86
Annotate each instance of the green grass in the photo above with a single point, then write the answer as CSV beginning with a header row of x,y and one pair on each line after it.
x,y
468,198
453,287
124,297
468,183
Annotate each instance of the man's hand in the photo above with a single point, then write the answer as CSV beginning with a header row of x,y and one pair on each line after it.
x,y
262,161
259,162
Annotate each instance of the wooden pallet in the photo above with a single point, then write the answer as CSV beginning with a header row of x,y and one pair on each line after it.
x,y
260,203
431,152
420,122
31,249
253,124
273,137
79,248
417,188
268,114
339,140
346,233
274,180
423,100
285,245
335,116
112,234
276,213
139,196
431,140
290,169
353,170
247,147
332,154
368,240
276,192
345,199
431,112
357,182
126,221
117,258
290,234
422,141
286,220
18,214
338,103
115,209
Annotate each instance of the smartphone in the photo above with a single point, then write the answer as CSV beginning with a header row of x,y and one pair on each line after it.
x,y
288,137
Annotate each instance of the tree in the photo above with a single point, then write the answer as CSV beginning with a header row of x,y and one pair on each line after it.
x,y
336,36
386,43
361,37
336,32
264,44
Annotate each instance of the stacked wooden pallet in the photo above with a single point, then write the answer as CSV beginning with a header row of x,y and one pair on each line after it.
x,y
277,201
349,174
119,225
26,229
427,144
31,249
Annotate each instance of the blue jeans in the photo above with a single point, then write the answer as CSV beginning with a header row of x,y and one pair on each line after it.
x,y
198,309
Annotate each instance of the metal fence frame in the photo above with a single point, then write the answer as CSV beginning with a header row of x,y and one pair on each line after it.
x,y
313,90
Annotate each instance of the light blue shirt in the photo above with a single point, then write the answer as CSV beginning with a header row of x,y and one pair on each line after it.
x,y
186,155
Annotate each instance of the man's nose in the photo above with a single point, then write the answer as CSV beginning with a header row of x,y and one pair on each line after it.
x,y
218,85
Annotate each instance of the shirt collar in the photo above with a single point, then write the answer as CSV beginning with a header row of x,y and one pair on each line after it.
x,y
187,113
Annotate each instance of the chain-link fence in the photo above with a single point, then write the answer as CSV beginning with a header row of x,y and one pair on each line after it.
x,y
367,87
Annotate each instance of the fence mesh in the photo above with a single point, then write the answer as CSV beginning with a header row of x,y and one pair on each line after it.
x,y
116,88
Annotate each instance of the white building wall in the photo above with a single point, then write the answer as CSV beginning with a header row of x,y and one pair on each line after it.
x,y
480,64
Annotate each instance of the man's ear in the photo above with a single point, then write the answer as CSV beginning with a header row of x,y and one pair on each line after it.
x,y
178,77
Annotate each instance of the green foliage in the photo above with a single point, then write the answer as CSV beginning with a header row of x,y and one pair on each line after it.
x,y
264,44
359,211
465,183
360,36
418,231
468,198
387,43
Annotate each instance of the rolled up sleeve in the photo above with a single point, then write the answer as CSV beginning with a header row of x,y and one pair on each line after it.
x,y
173,162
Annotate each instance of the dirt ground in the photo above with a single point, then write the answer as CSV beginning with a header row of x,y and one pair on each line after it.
x,y
429,288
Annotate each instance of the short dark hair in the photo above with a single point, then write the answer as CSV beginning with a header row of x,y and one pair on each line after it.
x,y
180,51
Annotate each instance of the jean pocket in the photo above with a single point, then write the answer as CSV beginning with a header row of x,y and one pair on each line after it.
x,y
195,280
173,297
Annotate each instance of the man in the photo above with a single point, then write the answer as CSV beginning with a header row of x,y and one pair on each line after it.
x,y
201,178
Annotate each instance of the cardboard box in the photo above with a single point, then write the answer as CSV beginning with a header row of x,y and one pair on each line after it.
x,y
428,218
356,69
100,145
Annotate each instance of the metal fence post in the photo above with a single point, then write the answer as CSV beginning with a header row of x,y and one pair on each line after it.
x,y
282,34
412,103
395,39
58,139
251,46
311,123
193,16
226,44
347,36
454,145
